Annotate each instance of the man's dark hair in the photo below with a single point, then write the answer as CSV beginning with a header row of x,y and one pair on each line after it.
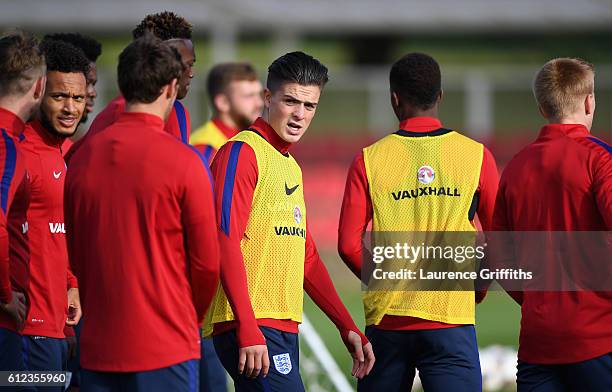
x,y
64,57
145,66
164,25
416,79
296,67
21,63
221,75
90,46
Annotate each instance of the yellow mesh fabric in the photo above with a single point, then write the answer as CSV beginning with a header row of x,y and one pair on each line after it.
x,y
392,167
273,246
208,134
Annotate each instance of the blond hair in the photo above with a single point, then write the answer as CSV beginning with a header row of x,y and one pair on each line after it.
x,y
21,63
562,84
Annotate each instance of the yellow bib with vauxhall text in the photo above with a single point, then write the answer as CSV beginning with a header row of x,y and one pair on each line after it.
x,y
274,243
422,183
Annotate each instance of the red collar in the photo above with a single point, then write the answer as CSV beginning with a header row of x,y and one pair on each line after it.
x,y
571,130
43,135
420,124
11,122
265,130
228,131
146,119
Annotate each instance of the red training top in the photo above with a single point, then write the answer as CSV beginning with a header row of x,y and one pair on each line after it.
x,y
560,182
317,282
14,201
357,212
50,275
143,242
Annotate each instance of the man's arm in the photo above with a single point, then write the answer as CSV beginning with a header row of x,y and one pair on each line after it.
x,y
235,175
602,185
200,230
501,247
355,215
5,277
488,184
320,288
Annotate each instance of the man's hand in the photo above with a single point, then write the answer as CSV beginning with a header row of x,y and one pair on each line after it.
x,y
74,307
253,360
16,309
363,355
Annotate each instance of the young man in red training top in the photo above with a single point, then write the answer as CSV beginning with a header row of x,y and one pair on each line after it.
x,y
142,236
236,100
22,85
53,292
409,329
270,256
92,50
565,342
176,30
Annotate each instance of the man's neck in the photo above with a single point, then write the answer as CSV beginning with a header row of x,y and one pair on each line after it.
x,y
408,113
572,119
150,108
226,119
15,107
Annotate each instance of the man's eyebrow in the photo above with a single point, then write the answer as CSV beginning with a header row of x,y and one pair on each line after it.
x,y
291,97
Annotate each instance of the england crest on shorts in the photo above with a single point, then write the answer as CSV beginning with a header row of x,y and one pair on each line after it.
x,y
282,363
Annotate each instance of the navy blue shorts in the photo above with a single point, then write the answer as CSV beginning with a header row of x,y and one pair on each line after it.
x,y
11,351
182,377
284,353
213,377
447,360
594,375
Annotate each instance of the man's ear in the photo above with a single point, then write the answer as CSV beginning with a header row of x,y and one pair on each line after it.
x,y
221,103
440,96
172,89
267,97
39,87
542,112
589,104
395,100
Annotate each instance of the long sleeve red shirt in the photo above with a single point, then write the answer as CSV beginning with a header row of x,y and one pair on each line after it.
x,y
14,201
50,275
143,241
357,212
178,123
560,182
317,282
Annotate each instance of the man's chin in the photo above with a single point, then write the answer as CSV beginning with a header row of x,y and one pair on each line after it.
x,y
63,132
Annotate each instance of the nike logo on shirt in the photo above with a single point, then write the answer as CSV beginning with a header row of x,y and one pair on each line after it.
x,y
289,191
57,175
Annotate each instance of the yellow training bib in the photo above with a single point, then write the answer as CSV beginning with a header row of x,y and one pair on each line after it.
x,y
423,183
274,243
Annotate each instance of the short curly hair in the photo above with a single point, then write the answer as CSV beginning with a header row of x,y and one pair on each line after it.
x,y
64,57
89,45
164,25
21,63
416,78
